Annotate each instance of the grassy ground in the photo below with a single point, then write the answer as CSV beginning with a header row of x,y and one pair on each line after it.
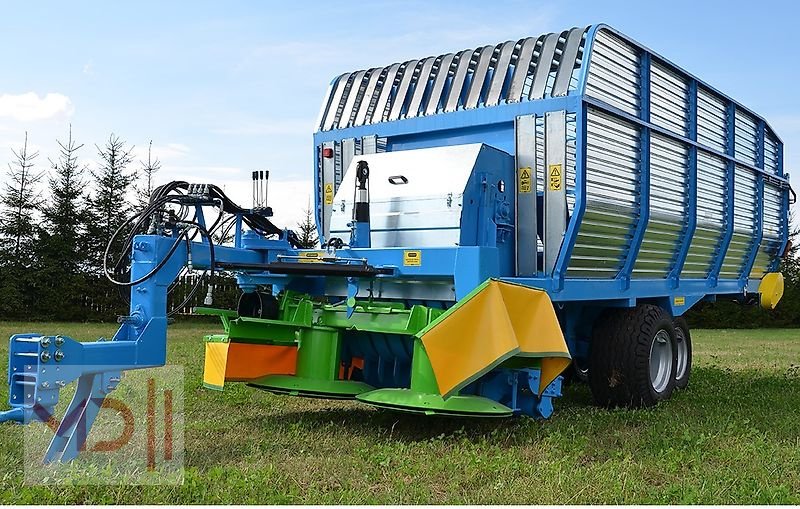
x,y
732,437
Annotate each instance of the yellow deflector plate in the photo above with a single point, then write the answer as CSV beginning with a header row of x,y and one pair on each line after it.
x,y
495,322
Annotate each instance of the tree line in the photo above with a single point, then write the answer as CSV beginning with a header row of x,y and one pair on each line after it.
x,y
56,218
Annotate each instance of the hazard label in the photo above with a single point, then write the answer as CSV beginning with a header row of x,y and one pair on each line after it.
x,y
328,194
311,257
412,258
525,180
555,177
679,301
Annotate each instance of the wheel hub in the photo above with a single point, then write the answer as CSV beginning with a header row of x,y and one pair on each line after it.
x,y
661,361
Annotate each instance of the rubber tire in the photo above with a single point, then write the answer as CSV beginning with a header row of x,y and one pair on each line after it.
x,y
619,360
683,381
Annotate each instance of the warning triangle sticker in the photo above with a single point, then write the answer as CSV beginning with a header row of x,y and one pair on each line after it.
x,y
555,172
526,173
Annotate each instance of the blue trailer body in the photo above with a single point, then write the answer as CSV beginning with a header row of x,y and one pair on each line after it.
x,y
491,117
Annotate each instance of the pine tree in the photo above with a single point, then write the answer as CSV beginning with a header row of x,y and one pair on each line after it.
x,y
61,258
149,168
19,201
307,233
109,206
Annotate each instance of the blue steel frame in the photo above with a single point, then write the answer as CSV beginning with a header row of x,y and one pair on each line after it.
x,y
494,126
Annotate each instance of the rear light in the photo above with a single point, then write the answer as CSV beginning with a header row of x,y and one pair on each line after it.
x,y
327,153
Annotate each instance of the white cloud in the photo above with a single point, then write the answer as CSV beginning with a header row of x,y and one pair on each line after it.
x,y
29,106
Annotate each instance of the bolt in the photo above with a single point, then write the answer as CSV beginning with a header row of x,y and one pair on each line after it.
x,y
39,400
45,356
14,396
45,385
45,342
59,341
29,395
59,355
60,383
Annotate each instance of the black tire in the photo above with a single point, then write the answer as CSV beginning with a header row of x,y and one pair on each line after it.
x,y
623,341
683,339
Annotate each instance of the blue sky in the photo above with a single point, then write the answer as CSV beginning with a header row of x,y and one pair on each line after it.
x,y
226,87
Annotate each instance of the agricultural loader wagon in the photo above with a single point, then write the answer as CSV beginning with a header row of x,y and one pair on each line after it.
x,y
490,220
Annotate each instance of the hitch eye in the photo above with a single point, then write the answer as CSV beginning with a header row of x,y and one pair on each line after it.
x,y
398,180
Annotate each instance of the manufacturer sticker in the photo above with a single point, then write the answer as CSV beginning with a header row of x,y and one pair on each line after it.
x,y
412,258
556,177
328,194
679,301
525,180
311,257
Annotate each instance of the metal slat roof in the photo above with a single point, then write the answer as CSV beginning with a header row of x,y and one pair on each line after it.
x,y
531,68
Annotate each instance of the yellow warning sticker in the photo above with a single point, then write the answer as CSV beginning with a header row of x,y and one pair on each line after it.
x,y
679,301
556,177
412,258
525,180
328,194
311,256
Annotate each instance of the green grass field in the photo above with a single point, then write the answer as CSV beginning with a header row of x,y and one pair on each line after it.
x,y
732,437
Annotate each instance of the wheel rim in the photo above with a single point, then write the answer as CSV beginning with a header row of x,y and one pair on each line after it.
x,y
661,361
683,353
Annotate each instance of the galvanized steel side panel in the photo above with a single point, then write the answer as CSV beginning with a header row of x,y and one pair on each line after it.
x,y
711,181
744,223
669,99
771,153
771,233
746,143
669,187
612,159
712,130
614,73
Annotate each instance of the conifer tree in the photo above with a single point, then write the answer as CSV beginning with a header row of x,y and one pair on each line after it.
x,y
61,257
19,199
149,168
307,229
109,205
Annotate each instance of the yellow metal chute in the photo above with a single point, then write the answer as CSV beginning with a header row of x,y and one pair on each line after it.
x,y
495,322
